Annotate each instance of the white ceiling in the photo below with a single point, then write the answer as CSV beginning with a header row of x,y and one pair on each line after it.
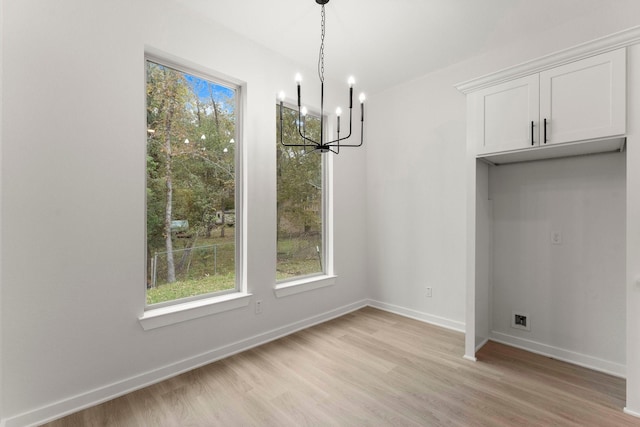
x,y
385,42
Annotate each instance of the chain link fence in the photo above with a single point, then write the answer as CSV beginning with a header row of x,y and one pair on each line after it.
x,y
194,263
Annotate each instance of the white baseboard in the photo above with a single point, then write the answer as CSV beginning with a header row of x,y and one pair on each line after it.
x,y
419,315
630,412
95,397
601,365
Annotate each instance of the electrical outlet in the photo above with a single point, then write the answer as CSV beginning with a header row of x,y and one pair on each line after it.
x,y
429,292
259,307
521,320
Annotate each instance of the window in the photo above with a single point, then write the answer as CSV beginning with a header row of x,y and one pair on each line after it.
x,y
191,199
300,201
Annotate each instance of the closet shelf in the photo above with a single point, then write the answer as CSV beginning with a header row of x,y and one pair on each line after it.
x,y
579,148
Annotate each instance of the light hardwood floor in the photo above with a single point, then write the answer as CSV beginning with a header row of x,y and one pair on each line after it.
x,y
372,368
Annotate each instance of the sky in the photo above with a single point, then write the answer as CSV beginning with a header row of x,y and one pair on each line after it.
x,y
203,89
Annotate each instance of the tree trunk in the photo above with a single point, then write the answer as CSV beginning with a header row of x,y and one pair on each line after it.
x,y
171,271
186,257
215,112
222,226
198,109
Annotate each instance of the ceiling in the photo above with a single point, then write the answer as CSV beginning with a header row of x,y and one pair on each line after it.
x,y
386,42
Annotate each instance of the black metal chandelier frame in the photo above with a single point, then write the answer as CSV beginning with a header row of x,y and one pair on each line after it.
x,y
322,146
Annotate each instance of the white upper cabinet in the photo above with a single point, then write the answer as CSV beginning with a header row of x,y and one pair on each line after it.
x,y
507,112
579,101
584,99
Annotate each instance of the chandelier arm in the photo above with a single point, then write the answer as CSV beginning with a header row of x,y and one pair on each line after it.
x,y
303,134
361,132
305,139
281,125
299,145
337,141
299,131
361,137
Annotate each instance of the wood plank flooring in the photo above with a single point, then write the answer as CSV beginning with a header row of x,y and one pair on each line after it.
x,y
372,368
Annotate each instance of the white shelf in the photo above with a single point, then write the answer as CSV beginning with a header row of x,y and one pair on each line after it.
x,y
555,151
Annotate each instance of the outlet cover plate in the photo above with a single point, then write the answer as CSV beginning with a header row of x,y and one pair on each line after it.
x,y
520,320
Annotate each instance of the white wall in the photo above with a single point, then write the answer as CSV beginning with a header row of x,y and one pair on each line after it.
x,y
1,133
73,153
573,292
416,185
633,232
483,255
416,173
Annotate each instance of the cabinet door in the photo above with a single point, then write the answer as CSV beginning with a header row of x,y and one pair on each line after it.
x,y
585,99
507,112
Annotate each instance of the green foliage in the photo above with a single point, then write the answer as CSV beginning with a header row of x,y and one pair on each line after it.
x,y
189,288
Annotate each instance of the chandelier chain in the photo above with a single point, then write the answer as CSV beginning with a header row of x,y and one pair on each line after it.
x,y
321,55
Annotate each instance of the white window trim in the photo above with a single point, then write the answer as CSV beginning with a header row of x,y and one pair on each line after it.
x,y
284,288
292,287
176,313
179,310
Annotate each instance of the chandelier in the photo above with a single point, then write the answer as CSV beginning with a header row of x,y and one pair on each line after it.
x,y
322,145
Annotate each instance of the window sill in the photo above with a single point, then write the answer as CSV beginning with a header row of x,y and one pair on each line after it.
x,y
169,315
293,287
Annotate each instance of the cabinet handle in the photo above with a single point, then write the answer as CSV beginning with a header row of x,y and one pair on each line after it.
x,y
545,131
532,132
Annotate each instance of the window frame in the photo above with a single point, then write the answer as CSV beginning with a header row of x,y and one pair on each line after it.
x,y
169,312
294,285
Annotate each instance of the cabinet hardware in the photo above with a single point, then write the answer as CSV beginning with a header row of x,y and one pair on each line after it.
x,y
531,132
545,131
